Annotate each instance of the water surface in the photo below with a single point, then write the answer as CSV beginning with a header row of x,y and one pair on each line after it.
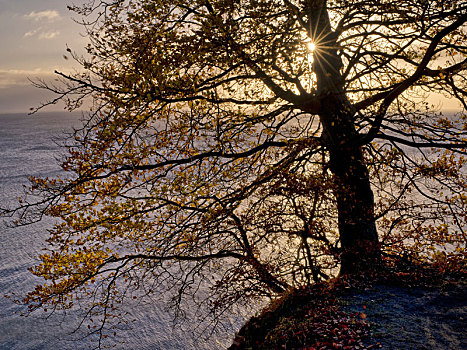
x,y
27,148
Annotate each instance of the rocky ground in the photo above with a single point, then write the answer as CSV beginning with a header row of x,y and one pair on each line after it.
x,y
390,313
413,318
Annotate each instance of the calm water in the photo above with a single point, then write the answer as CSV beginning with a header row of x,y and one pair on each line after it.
x,y
27,148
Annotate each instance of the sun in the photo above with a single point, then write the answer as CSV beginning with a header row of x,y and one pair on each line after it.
x,y
311,46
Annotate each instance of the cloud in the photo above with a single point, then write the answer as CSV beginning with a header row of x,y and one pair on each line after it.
x,y
32,32
20,77
46,30
50,15
49,35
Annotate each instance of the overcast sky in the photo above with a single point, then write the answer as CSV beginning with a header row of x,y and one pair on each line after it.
x,y
34,35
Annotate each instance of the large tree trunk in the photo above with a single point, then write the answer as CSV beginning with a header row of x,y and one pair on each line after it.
x,y
355,204
355,201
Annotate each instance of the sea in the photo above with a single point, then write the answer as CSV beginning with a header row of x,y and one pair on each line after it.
x,y
29,147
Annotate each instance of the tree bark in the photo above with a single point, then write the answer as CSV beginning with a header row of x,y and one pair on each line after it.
x,y
360,248
355,204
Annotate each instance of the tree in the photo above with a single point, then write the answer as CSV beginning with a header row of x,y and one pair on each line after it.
x,y
254,146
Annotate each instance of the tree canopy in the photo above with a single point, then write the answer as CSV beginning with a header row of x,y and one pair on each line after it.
x,y
252,146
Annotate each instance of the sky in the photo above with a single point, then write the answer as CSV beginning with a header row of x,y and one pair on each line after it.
x,y
34,36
